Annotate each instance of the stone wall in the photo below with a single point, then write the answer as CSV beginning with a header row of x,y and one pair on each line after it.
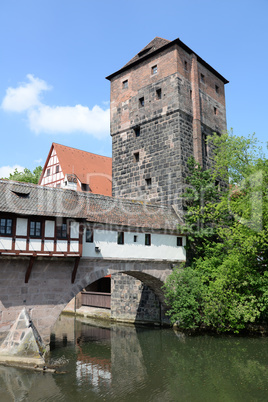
x,y
171,127
133,301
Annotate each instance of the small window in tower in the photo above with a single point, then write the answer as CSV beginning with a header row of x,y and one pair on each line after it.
x,y
57,168
137,131
202,77
148,182
141,101
125,84
216,89
191,94
135,239
185,65
147,239
205,145
154,69
120,238
136,156
179,241
48,172
159,93
215,110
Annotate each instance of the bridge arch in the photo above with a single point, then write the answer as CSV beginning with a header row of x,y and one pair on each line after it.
x,y
50,288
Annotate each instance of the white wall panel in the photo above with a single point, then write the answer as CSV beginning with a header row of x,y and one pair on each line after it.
x,y
5,243
21,227
163,247
35,245
49,228
20,244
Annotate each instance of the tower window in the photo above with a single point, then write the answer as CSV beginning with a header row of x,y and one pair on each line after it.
x,y
147,239
148,182
191,94
141,101
202,77
216,89
137,131
136,156
158,93
154,69
125,84
179,241
135,238
185,65
120,238
57,168
215,110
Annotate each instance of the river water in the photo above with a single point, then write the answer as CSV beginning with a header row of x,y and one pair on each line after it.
x,y
108,362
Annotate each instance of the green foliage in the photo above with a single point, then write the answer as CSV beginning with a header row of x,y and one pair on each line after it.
x,y
27,176
224,285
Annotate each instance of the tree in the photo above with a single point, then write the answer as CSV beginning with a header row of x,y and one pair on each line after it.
x,y
27,176
225,279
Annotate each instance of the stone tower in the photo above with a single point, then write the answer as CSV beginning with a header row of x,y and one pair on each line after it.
x,y
164,103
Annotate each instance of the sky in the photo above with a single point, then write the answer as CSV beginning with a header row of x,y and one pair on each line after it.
x,y
55,55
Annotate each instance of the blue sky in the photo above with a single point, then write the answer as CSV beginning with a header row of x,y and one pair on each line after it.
x,y
55,55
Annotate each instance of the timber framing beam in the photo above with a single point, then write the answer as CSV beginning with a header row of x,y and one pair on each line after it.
x,y
29,269
75,268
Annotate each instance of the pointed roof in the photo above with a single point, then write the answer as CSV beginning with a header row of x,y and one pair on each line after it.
x,y
94,170
155,44
158,45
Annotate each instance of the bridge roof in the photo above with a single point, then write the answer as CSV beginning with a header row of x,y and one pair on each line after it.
x,y
30,199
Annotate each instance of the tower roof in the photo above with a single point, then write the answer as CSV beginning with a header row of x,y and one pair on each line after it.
x,y
158,45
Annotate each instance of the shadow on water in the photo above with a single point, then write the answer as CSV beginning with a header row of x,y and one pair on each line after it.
x,y
126,363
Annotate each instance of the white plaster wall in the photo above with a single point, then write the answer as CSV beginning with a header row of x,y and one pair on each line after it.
x,y
35,245
49,228
61,246
163,247
21,227
49,245
5,243
74,233
20,244
74,246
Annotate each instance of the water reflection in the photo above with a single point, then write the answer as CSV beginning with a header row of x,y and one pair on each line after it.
x,y
123,363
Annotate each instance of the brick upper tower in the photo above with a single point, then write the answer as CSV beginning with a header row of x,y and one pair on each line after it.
x,y
164,102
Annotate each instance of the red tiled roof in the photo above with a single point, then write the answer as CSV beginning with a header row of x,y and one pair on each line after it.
x,y
94,170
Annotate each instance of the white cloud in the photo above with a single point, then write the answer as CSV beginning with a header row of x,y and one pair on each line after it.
x,y
68,119
6,170
25,96
55,119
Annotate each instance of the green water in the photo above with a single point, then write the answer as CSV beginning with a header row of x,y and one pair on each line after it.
x,y
126,363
